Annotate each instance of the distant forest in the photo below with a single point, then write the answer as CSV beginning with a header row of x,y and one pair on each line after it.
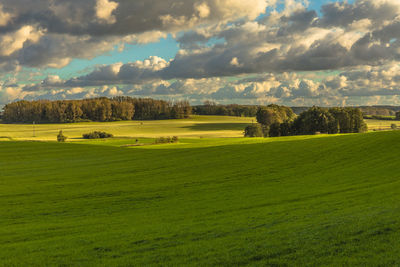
x,y
211,108
128,108
96,109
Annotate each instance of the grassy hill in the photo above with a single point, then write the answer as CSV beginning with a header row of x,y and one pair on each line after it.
x,y
297,201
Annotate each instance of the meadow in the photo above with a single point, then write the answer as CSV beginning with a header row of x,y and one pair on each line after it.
x,y
194,127
309,200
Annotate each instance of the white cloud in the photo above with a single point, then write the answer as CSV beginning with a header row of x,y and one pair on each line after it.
x,y
4,17
10,43
235,62
74,91
104,10
228,9
113,91
203,10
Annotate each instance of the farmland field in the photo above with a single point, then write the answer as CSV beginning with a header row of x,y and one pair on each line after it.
x,y
309,200
194,127
381,125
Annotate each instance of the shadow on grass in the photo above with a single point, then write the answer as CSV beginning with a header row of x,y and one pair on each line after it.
x,y
217,126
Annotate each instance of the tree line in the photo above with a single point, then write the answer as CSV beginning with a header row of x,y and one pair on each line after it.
x,y
95,109
211,108
274,121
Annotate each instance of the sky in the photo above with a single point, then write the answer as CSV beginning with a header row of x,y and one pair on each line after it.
x,y
288,52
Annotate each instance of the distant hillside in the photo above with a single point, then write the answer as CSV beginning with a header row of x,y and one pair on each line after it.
x,y
367,110
380,110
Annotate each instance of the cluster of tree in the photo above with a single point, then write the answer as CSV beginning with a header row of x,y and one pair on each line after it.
x,y
268,118
167,140
97,135
96,109
332,121
274,114
211,108
275,122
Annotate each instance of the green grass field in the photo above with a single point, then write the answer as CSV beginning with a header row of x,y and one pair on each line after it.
x,y
194,127
303,201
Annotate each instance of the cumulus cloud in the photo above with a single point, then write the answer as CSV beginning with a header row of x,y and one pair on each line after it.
x,y
50,33
131,73
9,43
104,10
293,40
4,16
128,17
218,39
379,84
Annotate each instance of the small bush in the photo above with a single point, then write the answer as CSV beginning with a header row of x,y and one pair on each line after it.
x,y
61,137
97,135
254,130
167,140
393,126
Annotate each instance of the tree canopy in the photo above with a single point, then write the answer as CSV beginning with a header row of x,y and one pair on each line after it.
x,y
280,121
96,109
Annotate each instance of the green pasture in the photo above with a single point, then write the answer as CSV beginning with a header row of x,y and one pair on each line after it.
x,y
194,127
381,125
291,201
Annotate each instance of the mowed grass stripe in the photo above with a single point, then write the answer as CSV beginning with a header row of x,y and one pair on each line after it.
x,y
319,201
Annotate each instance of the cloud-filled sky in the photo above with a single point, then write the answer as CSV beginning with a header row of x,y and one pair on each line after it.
x,y
291,52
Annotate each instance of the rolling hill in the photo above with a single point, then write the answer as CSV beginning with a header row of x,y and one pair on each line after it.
x,y
285,201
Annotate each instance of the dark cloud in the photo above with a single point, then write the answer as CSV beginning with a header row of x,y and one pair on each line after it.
x,y
343,14
78,17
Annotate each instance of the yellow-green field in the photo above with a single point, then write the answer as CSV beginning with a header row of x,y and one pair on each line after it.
x,y
194,127
381,125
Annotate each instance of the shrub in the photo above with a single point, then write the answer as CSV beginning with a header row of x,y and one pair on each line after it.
x,y
167,140
393,126
254,130
61,137
97,135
